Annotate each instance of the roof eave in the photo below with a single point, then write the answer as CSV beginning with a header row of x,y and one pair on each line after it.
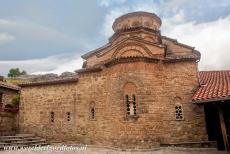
x,y
211,100
50,82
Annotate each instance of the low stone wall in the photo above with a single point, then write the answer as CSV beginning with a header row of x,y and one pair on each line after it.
x,y
8,123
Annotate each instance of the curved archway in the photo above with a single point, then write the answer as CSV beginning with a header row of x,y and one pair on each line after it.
x,y
131,49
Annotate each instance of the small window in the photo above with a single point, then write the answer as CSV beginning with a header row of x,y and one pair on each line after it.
x,y
179,112
92,111
68,116
131,108
52,116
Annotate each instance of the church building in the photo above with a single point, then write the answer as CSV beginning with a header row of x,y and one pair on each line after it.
x,y
140,90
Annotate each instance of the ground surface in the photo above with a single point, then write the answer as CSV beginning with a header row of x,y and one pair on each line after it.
x,y
92,150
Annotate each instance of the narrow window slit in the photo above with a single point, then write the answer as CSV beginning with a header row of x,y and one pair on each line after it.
x,y
92,113
131,108
52,116
68,116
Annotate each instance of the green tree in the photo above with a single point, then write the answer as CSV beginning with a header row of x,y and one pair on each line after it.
x,y
14,72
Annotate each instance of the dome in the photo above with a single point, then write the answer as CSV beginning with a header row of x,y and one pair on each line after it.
x,y
137,19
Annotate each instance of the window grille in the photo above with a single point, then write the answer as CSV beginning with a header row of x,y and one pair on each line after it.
x,y
179,112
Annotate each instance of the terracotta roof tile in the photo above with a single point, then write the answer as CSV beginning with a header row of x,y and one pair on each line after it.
x,y
9,86
214,85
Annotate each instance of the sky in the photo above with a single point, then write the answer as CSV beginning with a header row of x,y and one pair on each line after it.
x,y
49,36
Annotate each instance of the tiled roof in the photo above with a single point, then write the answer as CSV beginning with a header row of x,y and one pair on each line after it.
x,y
9,86
49,82
214,86
90,69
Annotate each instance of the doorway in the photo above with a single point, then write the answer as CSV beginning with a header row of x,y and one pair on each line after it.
x,y
213,123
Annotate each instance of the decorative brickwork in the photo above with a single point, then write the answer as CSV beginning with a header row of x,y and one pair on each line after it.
x,y
124,97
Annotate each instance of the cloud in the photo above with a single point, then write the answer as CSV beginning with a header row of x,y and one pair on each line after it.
x,y
6,38
33,40
108,3
210,37
107,30
29,30
3,22
53,64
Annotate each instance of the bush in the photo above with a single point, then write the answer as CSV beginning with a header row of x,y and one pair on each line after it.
x,y
15,101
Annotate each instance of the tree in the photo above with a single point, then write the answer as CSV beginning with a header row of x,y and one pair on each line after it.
x,y
14,72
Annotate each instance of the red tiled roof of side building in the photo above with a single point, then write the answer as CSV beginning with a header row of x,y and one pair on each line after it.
x,y
214,86
9,86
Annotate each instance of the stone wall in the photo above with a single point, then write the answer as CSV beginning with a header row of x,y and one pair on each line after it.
x,y
8,123
159,87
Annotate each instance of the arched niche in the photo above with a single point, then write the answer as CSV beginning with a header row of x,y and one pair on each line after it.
x,y
132,49
129,87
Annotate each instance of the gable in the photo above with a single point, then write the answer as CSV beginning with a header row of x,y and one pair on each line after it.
x,y
131,47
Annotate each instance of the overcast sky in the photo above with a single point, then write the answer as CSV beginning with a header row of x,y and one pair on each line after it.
x,y
50,35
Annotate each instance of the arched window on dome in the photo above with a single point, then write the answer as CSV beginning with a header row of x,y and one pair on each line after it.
x,y
130,98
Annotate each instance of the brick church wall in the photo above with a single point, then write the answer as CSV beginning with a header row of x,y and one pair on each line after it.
x,y
159,88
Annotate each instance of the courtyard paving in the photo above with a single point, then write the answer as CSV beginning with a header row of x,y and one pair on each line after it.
x,y
93,150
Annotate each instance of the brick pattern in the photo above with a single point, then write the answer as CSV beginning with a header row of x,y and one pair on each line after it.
x,y
135,61
159,88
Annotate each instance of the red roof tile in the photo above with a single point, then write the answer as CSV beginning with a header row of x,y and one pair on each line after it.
x,y
214,85
9,86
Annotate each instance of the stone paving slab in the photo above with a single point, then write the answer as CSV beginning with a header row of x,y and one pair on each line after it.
x,y
90,150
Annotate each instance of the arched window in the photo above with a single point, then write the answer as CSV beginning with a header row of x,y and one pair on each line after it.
x,y
130,99
131,107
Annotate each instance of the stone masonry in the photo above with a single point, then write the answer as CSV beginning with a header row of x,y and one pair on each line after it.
x,y
159,74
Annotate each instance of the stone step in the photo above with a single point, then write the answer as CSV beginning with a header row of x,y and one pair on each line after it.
x,y
18,136
19,139
30,142
32,138
2,143
204,144
24,134
24,145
